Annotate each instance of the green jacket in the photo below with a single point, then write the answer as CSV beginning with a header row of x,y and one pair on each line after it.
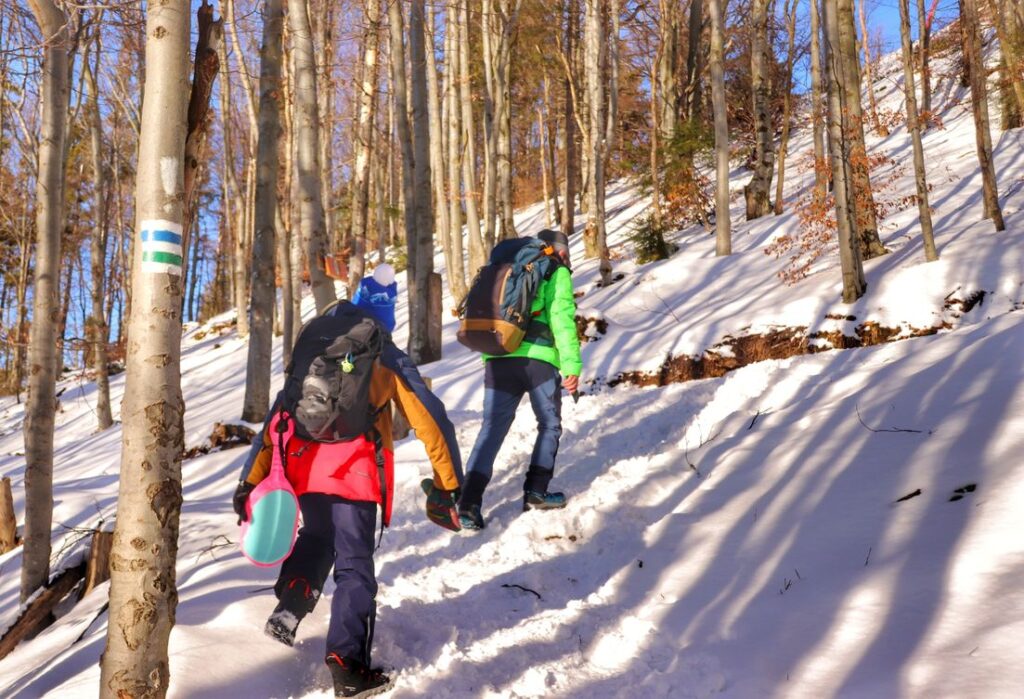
x,y
551,336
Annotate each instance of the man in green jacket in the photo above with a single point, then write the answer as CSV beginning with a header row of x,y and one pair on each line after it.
x,y
547,361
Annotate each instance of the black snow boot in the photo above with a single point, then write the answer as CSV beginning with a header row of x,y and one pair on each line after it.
x,y
297,599
354,679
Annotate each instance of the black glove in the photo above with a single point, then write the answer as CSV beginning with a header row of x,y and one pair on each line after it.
x,y
441,505
239,499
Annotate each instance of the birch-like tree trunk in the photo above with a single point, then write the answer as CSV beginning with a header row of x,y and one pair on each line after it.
x,y
860,178
914,126
43,357
979,105
262,296
836,74
502,25
817,116
789,13
758,190
402,130
490,140
143,591
97,328
478,250
367,101
869,78
594,236
307,123
716,59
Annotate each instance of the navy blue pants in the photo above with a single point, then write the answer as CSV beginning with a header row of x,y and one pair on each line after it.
x,y
506,381
339,533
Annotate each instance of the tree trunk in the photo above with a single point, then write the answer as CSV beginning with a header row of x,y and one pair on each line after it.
x,y
439,117
549,220
693,56
323,34
1009,46
757,192
43,352
817,116
97,329
612,69
594,236
723,233
478,250
503,85
838,113
979,104
424,345
914,126
400,113
457,266
550,135
490,140
569,124
143,594
789,12
667,69
924,45
880,128
866,220
262,297
367,101
314,234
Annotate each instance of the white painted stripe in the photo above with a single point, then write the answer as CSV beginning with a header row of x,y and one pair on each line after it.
x,y
159,224
161,268
154,246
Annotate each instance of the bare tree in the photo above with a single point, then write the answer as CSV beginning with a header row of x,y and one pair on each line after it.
x,y
43,354
478,252
97,328
723,239
594,236
869,78
143,593
569,122
261,301
979,104
757,191
314,234
838,79
846,51
367,98
789,13
914,126
817,117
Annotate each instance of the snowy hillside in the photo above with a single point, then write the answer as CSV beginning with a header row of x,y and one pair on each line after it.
x,y
748,535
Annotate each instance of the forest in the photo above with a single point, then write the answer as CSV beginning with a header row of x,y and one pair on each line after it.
x,y
163,163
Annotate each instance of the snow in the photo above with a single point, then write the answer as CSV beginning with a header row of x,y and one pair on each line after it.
x,y
740,536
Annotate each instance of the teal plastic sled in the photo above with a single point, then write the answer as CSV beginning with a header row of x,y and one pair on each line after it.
x,y
268,536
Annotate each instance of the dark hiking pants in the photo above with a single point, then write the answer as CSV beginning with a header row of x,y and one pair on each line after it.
x,y
339,533
506,381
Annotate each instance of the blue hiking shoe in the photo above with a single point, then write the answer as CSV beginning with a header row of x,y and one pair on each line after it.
x,y
470,518
533,500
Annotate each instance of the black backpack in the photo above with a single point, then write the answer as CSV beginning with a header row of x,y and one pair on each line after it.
x,y
327,382
495,314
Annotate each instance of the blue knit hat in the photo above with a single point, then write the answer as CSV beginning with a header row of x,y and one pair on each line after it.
x,y
377,294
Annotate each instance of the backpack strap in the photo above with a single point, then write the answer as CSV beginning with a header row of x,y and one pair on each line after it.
x,y
378,456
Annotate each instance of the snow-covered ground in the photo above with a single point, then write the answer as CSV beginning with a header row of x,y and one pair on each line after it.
x,y
743,536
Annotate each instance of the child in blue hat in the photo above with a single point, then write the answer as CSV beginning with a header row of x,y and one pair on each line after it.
x,y
377,294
